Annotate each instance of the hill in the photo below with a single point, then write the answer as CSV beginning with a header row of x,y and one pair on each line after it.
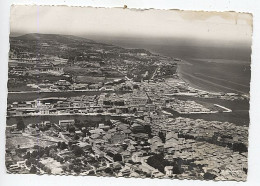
x,y
46,37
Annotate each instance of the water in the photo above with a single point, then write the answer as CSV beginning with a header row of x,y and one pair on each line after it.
x,y
217,77
87,119
214,68
30,96
218,67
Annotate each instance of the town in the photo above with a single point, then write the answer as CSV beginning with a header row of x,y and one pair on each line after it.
x,y
146,121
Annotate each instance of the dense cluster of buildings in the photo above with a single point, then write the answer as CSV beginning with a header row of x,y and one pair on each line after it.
x,y
187,107
133,90
127,147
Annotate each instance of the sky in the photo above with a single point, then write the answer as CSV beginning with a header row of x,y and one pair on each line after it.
x,y
84,21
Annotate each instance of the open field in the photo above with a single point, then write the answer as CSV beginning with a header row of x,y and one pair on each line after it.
x,y
13,140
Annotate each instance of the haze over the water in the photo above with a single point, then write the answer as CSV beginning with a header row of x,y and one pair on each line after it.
x,y
184,48
149,24
197,37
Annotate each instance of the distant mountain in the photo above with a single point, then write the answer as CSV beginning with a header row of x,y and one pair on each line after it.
x,y
71,41
54,37
70,47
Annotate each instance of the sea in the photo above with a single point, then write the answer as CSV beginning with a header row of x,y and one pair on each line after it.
x,y
214,66
211,66
221,67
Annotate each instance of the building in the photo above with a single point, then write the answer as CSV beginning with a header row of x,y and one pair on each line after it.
x,y
117,137
168,170
66,123
139,100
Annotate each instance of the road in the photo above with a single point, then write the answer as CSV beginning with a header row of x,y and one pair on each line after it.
x,y
155,72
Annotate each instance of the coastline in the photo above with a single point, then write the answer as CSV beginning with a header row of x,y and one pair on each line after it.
x,y
210,83
190,84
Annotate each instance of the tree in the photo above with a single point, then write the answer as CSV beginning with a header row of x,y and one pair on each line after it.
x,y
72,129
52,152
48,170
240,147
71,166
11,130
108,170
161,135
135,86
76,137
20,124
61,160
33,170
209,176
157,161
63,145
124,146
176,169
148,130
64,167
77,151
108,122
34,154
47,151
117,157
28,155
70,143
41,151
77,122
77,169
59,144
107,102
28,163
26,74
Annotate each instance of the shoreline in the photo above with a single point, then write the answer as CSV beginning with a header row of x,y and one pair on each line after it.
x,y
180,75
192,85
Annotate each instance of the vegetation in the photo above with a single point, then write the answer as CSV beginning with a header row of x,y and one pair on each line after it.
x,y
20,124
117,157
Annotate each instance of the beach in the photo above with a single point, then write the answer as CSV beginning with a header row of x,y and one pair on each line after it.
x,y
216,77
